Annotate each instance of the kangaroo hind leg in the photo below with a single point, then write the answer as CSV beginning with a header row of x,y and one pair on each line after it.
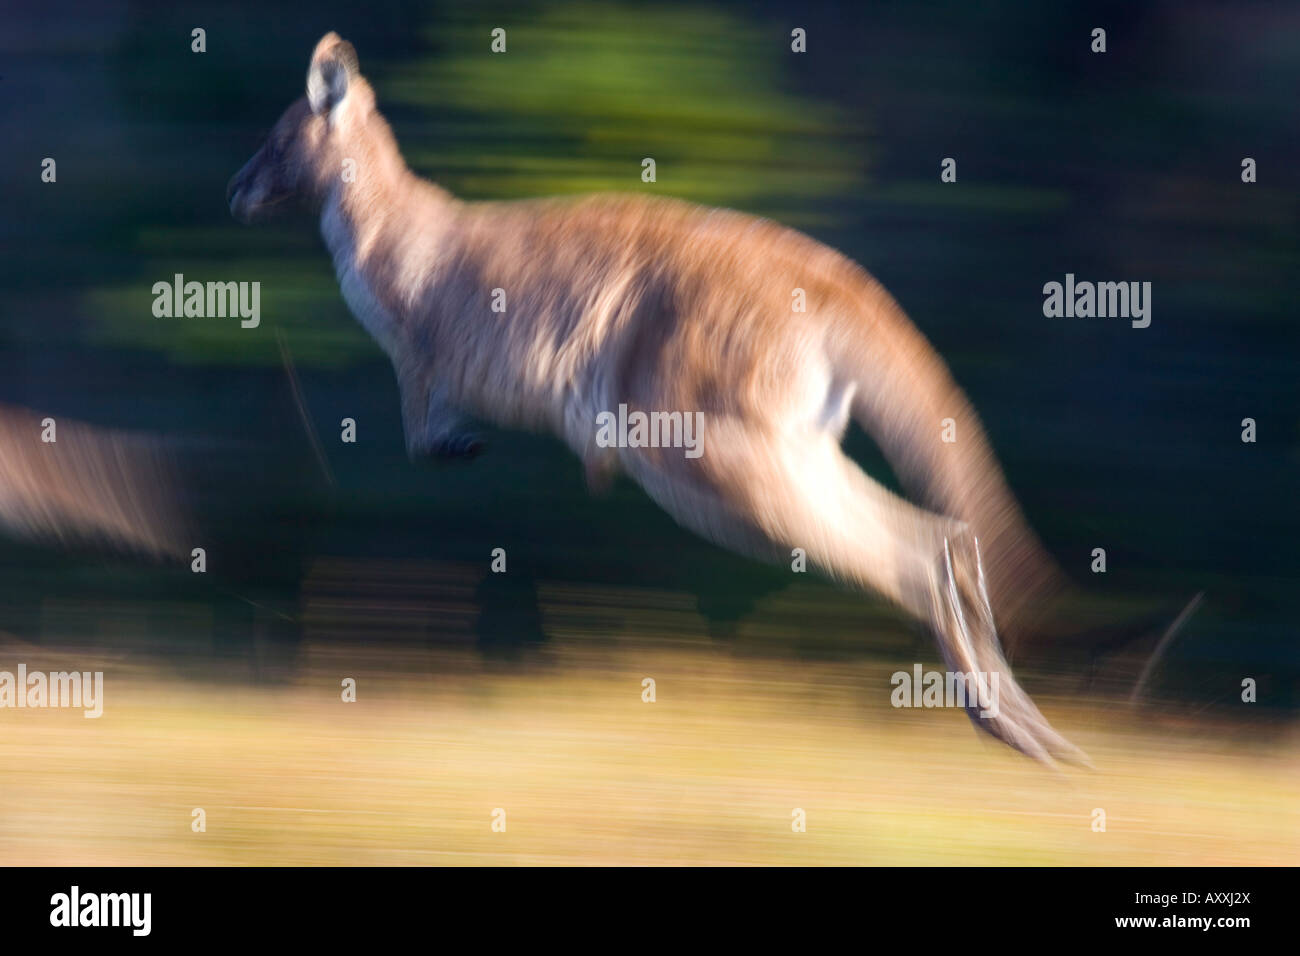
x,y
763,492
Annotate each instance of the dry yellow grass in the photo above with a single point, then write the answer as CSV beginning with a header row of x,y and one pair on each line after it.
x,y
589,774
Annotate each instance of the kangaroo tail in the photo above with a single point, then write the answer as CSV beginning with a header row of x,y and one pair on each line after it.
x,y
907,401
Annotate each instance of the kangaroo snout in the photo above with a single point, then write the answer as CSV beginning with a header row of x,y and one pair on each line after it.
x,y
233,189
240,192
246,193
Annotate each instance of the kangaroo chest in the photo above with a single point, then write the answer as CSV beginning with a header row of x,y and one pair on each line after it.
x,y
365,305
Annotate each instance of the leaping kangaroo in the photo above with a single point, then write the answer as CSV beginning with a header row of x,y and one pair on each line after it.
x,y
662,306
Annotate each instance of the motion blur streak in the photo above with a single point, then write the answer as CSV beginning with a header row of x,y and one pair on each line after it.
x,y
87,484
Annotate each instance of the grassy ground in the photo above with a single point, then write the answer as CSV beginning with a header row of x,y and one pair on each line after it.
x,y
587,773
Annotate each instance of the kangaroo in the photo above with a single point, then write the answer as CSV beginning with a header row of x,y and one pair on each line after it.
x,y
663,307
88,485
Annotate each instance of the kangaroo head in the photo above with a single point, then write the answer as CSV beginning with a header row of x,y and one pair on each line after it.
x,y
305,152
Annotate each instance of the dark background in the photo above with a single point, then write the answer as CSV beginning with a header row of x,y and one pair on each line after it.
x,y
1122,166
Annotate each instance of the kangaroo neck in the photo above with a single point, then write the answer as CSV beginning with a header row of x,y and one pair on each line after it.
x,y
377,228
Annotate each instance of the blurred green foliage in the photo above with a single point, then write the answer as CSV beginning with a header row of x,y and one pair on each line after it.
x,y
585,92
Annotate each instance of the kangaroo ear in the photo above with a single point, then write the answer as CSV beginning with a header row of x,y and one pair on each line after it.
x,y
333,65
